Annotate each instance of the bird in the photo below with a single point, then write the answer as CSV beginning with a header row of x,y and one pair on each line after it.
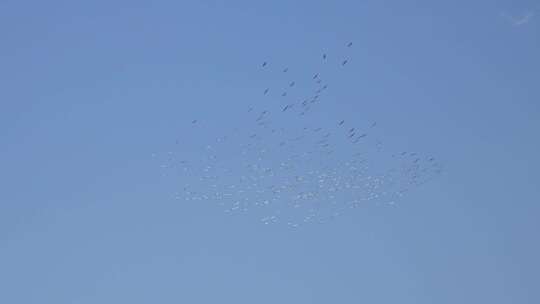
x,y
315,76
518,21
349,44
266,91
292,84
324,56
341,122
193,121
285,70
345,62
264,64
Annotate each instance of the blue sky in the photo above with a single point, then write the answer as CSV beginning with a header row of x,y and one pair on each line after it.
x,y
92,90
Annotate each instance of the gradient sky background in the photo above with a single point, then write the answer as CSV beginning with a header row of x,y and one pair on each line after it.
x,y
91,89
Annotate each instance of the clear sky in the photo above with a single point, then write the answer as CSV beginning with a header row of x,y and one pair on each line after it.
x,y
90,90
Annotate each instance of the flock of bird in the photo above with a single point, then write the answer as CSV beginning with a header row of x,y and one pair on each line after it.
x,y
288,167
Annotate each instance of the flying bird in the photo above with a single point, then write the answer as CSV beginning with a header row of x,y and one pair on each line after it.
x,y
266,91
264,64
292,84
341,122
349,45
518,21
285,70
324,56
345,62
